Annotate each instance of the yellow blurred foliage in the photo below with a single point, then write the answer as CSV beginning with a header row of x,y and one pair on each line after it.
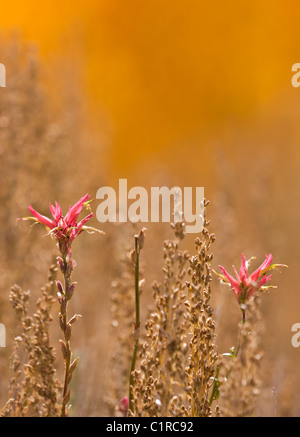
x,y
167,73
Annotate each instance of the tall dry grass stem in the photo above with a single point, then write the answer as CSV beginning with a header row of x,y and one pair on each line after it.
x,y
138,245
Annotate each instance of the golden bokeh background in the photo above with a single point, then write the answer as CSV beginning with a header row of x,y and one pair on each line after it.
x,y
168,74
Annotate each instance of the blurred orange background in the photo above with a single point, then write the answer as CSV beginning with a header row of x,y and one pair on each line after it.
x,y
168,74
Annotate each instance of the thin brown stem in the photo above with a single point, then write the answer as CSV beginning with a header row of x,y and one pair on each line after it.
x,y
137,321
66,294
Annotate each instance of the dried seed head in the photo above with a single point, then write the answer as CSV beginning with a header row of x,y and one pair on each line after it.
x,y
60,287
62,323
75,318
61,264
73,365
59,297
63,348
141,238
68,332
70,290
63,305
66,397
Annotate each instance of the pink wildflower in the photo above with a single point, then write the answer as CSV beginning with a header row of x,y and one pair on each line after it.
x,y
245,284
124,406
64,228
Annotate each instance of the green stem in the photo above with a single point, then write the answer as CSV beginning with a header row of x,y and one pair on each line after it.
x,y
131,374
137,279
215,387
217,384
137,323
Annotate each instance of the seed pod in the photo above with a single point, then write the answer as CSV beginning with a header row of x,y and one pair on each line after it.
x,y
71,264
141,238
75,318
63,305
59,297
63,348
68,332
61,264
62,322
66,397
60,287
70,291
73,365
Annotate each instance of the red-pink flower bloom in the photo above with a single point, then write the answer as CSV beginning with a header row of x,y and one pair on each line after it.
x,y
124,406
64,228
244,284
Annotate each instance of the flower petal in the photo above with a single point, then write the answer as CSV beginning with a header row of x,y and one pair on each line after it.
x,y
41,218
262,268
75,210
234,284
243,270
84,220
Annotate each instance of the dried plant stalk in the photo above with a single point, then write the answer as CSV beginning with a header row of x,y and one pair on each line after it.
x,y
135,255
65,293
164,352
64,229
241,388
178,360
37,393
122,310
201,368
